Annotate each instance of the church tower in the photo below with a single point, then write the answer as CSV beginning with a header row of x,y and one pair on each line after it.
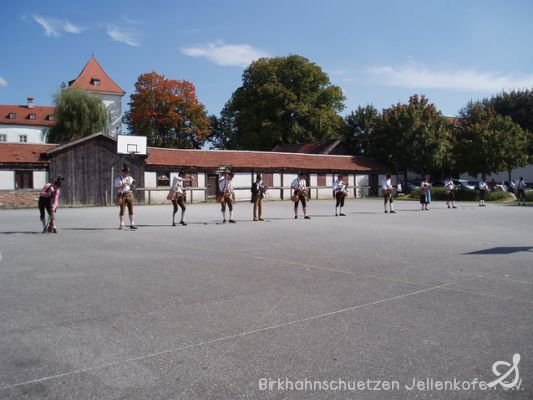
x,y
95,80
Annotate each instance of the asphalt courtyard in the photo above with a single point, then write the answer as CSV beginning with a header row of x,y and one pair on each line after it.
x,y
416,305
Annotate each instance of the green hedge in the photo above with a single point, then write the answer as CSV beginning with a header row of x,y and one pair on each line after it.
x,y
529,195
438,194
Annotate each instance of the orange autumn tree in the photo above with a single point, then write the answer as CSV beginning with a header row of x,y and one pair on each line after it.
x,y
167,112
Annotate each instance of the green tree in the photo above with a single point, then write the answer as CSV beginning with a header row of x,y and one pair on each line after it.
x,y
359,126
412,137
78,114
488,142
283,100
167,112
517,104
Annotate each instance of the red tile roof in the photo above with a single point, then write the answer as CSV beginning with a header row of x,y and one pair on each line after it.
x,y
320,147
91,73
24,153
22,115
213,159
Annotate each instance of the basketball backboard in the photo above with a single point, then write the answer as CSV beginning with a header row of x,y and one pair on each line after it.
x,y
128,144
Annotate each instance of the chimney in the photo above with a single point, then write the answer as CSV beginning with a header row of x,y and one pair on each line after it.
x,y
30,102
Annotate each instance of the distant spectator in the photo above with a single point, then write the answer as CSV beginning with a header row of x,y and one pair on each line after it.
x,y
521,191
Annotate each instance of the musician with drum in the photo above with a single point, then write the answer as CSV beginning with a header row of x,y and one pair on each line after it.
x,y
226,195
178,196
339,193
386,186
258,193
125,185
300,194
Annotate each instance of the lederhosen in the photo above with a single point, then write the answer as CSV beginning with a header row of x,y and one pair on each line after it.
x,y
483,192
520,193
179,199
340,194
387,195
450,194
423,194
127,201
45,203
226,198
301,197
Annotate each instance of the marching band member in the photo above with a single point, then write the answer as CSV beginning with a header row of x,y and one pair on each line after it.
x,y
449,190
125,184
339,193
386,185
225,187
178,197
425,193
49,201
299,187
483,189
521,191
258,193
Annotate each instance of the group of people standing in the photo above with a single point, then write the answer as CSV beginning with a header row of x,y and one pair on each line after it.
x,y
125,186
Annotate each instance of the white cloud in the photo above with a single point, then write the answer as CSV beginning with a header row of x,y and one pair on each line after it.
x,y
3,82
415,75
240,55
54,27
123,35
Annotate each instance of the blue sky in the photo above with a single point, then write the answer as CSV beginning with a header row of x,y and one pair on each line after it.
x,y
379,52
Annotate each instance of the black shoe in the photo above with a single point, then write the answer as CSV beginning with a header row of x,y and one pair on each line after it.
x,y
393,212
336,214
183,223
307,217
261,219
224,221
295,217
342,215
54,230
386,211
133,227
45,229
449,207
454,207
232,221
173,224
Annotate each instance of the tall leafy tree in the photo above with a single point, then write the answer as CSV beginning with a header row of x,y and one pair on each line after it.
x,y
167,112
359,126
517,104
78,114
412,137
283,100
488,142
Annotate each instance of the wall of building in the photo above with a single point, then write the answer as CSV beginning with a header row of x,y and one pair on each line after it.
x,y
113,104
34,134
525,172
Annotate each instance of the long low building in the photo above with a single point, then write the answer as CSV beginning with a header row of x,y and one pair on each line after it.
x,y
90,164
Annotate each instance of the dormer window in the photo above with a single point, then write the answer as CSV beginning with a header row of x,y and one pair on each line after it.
x,y
12,116
95,82
32,117
51,118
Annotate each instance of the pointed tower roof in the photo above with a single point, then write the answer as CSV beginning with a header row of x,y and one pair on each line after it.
x,y
94,79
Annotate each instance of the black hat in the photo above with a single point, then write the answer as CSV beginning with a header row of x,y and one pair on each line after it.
x,y
125,168
58,181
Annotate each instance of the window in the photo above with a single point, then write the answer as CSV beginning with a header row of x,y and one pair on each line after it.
x,y
3,138
163,179
32,116
96,82
51,118
23,180
23,138
321,180
12,115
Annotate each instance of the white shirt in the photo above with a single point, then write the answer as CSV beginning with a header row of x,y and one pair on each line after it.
x,y
521,184
177,184
386,184
225,185
299,184
339,186
122,184
449,184
482,185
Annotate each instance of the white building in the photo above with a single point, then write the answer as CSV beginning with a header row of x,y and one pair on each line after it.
x,y
25,123
95,80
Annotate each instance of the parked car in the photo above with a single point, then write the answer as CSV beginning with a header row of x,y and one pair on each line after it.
x,y
465,184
